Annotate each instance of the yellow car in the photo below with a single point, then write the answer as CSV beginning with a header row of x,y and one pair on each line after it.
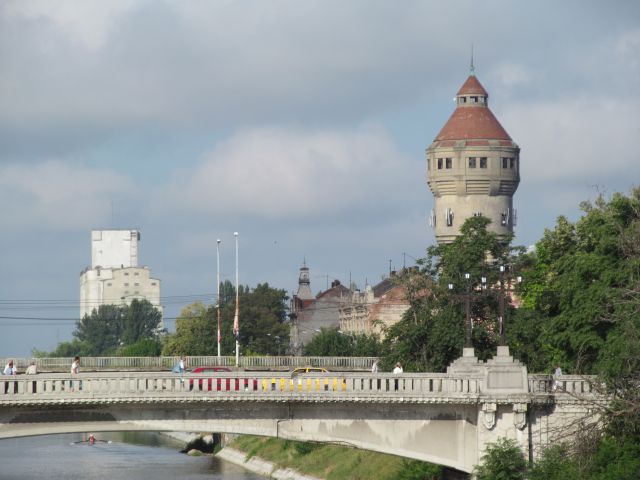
x,y
316,384
310,370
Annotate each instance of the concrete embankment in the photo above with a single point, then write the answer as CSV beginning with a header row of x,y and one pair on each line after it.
x,y
254,464
260,466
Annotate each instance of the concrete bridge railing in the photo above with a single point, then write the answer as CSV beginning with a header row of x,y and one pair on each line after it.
x,y
108,386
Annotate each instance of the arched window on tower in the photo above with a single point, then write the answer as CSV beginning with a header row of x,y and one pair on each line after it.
x,y
449,217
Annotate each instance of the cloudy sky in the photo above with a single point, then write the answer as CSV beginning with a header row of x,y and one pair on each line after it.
x,y
300,124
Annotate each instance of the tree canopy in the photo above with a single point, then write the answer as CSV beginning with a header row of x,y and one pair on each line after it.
x,y
432,332
263,324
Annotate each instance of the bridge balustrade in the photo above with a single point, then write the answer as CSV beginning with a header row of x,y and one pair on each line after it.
x,y
142,384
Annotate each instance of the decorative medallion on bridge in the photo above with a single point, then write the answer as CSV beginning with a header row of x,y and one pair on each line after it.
x,y
489,415
520,415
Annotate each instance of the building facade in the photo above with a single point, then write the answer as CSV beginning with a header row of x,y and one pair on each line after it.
x,y
115,277
380,306
310,313
473,167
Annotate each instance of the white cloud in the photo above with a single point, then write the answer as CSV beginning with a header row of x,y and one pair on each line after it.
x,y
88,22
281,173
588,138
55,195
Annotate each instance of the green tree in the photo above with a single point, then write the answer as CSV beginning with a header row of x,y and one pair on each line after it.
x,y
556,464
263,324
431,333
578,276
502,460
112,326
331,342
147,347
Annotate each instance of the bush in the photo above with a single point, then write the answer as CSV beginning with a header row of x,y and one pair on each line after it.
x,y
503,460
416,470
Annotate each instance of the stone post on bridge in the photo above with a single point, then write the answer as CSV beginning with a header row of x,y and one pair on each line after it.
x,y
504,397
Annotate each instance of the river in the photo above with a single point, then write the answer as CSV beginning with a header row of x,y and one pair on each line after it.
x,y
115,456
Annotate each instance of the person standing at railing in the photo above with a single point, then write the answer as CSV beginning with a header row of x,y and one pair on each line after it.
x,y
397,370
75,369
374,367
31,369
9,369
180,367
556,379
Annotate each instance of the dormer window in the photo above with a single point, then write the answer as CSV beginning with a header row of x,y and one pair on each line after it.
x,y
483,162
448,162
439,164
472,162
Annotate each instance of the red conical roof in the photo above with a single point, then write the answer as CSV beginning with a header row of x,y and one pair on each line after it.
x,y
472,121
472,87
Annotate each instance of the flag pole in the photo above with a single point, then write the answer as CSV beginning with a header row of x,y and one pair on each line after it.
x,y
218,294
236,320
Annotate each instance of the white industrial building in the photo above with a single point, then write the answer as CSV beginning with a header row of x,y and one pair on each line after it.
x,y
115,277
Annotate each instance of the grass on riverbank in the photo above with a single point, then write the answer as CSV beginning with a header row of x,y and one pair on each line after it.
x,y
335,462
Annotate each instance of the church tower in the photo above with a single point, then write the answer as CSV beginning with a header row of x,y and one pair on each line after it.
x,y
472,167
304,284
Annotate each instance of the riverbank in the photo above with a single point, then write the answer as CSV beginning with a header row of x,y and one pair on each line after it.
x,y
261,466
328,462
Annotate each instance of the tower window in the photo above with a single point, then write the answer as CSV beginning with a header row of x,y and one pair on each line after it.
x,y
428,164
472,162
439,164
448,162
449,215
483,162
464,99
508,162
475,99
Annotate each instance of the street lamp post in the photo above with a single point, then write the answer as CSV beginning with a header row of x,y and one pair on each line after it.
x,y
218,294
236,318
501,305
467,296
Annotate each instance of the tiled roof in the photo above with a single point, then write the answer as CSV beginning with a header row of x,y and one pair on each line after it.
x,y
475,122
472,86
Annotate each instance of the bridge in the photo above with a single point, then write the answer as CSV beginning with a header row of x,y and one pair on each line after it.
x,y
445,418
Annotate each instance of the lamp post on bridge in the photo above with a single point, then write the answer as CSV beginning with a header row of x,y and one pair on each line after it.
x,y
466,297
501,310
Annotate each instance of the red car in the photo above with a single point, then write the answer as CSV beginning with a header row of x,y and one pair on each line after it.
x,y
207,384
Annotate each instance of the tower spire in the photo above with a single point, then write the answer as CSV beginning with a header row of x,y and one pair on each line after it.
x,y
472,68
